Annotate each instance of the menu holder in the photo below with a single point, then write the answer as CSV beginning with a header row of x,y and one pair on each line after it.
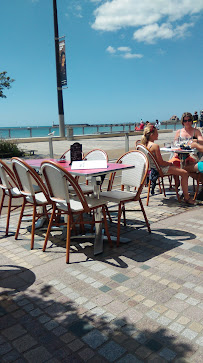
x,y
76,152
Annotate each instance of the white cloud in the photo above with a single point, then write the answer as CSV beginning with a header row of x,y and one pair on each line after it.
x,y
110,49
131,55
143,14
124,52
153,32
124,49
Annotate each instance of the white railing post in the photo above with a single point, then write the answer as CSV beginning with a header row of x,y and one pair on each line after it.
x,y
126,142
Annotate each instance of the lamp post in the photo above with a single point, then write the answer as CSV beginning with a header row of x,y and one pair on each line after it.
x,y
58,77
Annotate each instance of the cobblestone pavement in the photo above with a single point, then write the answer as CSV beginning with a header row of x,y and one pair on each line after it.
x,y
141,302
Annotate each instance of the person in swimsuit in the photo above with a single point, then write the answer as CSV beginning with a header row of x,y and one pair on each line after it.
x,y
149,136
186,134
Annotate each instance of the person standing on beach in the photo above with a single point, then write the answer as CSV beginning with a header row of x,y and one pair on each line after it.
x,y
195,119
157,124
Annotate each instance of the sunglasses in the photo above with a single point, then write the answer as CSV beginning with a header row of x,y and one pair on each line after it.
x,y
190,120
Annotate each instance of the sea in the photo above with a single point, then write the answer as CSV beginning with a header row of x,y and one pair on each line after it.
x,y
43,131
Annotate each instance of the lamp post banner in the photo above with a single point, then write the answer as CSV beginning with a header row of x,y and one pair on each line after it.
x,y
62,62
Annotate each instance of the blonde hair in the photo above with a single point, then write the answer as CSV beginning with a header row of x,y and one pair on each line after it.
x,y
186,114
148,131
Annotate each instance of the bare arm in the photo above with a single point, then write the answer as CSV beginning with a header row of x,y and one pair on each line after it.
x,y
156,150
198,146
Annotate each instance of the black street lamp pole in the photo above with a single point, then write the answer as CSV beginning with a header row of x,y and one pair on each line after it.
x,y
58,77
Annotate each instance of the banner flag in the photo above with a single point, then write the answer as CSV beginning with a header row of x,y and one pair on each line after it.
x,y
62,62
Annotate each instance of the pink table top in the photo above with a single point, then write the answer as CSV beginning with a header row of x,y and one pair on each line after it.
x,y
111,167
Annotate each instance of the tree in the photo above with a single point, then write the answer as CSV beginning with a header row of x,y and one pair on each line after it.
x,y
5,82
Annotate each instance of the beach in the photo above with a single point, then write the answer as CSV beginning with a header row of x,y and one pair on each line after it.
x,y
114,146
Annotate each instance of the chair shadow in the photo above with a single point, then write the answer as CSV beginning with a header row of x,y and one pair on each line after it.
x,y
157,243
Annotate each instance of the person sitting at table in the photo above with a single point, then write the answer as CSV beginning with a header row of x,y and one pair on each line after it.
x,y
148,138
186,134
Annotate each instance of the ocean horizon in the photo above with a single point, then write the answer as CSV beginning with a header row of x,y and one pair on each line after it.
x,y
43,131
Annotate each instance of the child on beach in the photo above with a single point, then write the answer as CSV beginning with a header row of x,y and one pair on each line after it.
x,y
148,138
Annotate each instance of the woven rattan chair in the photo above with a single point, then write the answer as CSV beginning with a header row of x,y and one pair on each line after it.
x,y
58,181
153,160
9,187
34,191
132,178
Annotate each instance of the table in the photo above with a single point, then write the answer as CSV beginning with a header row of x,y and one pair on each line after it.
x,y
94,173
181,153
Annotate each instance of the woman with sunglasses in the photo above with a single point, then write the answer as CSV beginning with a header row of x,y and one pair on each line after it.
x,y
187,134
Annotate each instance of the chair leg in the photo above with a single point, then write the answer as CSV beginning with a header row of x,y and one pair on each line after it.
x,y
119,224
162,181
160,190
145,216
148,193
2,200
124,215
8,215
49,228
106,226
107,211
33,228
68,239
20,218
197,189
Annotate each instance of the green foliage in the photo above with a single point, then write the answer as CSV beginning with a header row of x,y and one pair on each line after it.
x,y
8,149
5,82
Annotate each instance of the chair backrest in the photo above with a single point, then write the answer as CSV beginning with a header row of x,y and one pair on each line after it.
x,y
96,154
57,180
152,160
26,176
66,155
7,178
132,177
137,142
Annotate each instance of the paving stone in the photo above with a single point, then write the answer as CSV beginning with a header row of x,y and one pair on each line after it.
x,y
111,351
24,343
129,358
94,338
168,354
14,332
39,354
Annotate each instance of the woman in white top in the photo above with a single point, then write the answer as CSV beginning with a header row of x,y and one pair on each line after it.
x,y
188,132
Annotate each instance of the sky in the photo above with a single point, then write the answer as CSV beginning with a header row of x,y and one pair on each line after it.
x,y
126,60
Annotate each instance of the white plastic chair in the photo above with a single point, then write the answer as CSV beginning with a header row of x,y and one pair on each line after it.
x,y
9,187
130,178
58,180
36,195
153,161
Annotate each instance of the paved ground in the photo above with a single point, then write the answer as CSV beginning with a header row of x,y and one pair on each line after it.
x,y
141,302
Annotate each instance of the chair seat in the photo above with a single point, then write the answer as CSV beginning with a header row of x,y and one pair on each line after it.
x,y
118,196
76,205
39,197
87,189
14,191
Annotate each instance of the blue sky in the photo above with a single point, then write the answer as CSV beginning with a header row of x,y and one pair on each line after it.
x,y
126,60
